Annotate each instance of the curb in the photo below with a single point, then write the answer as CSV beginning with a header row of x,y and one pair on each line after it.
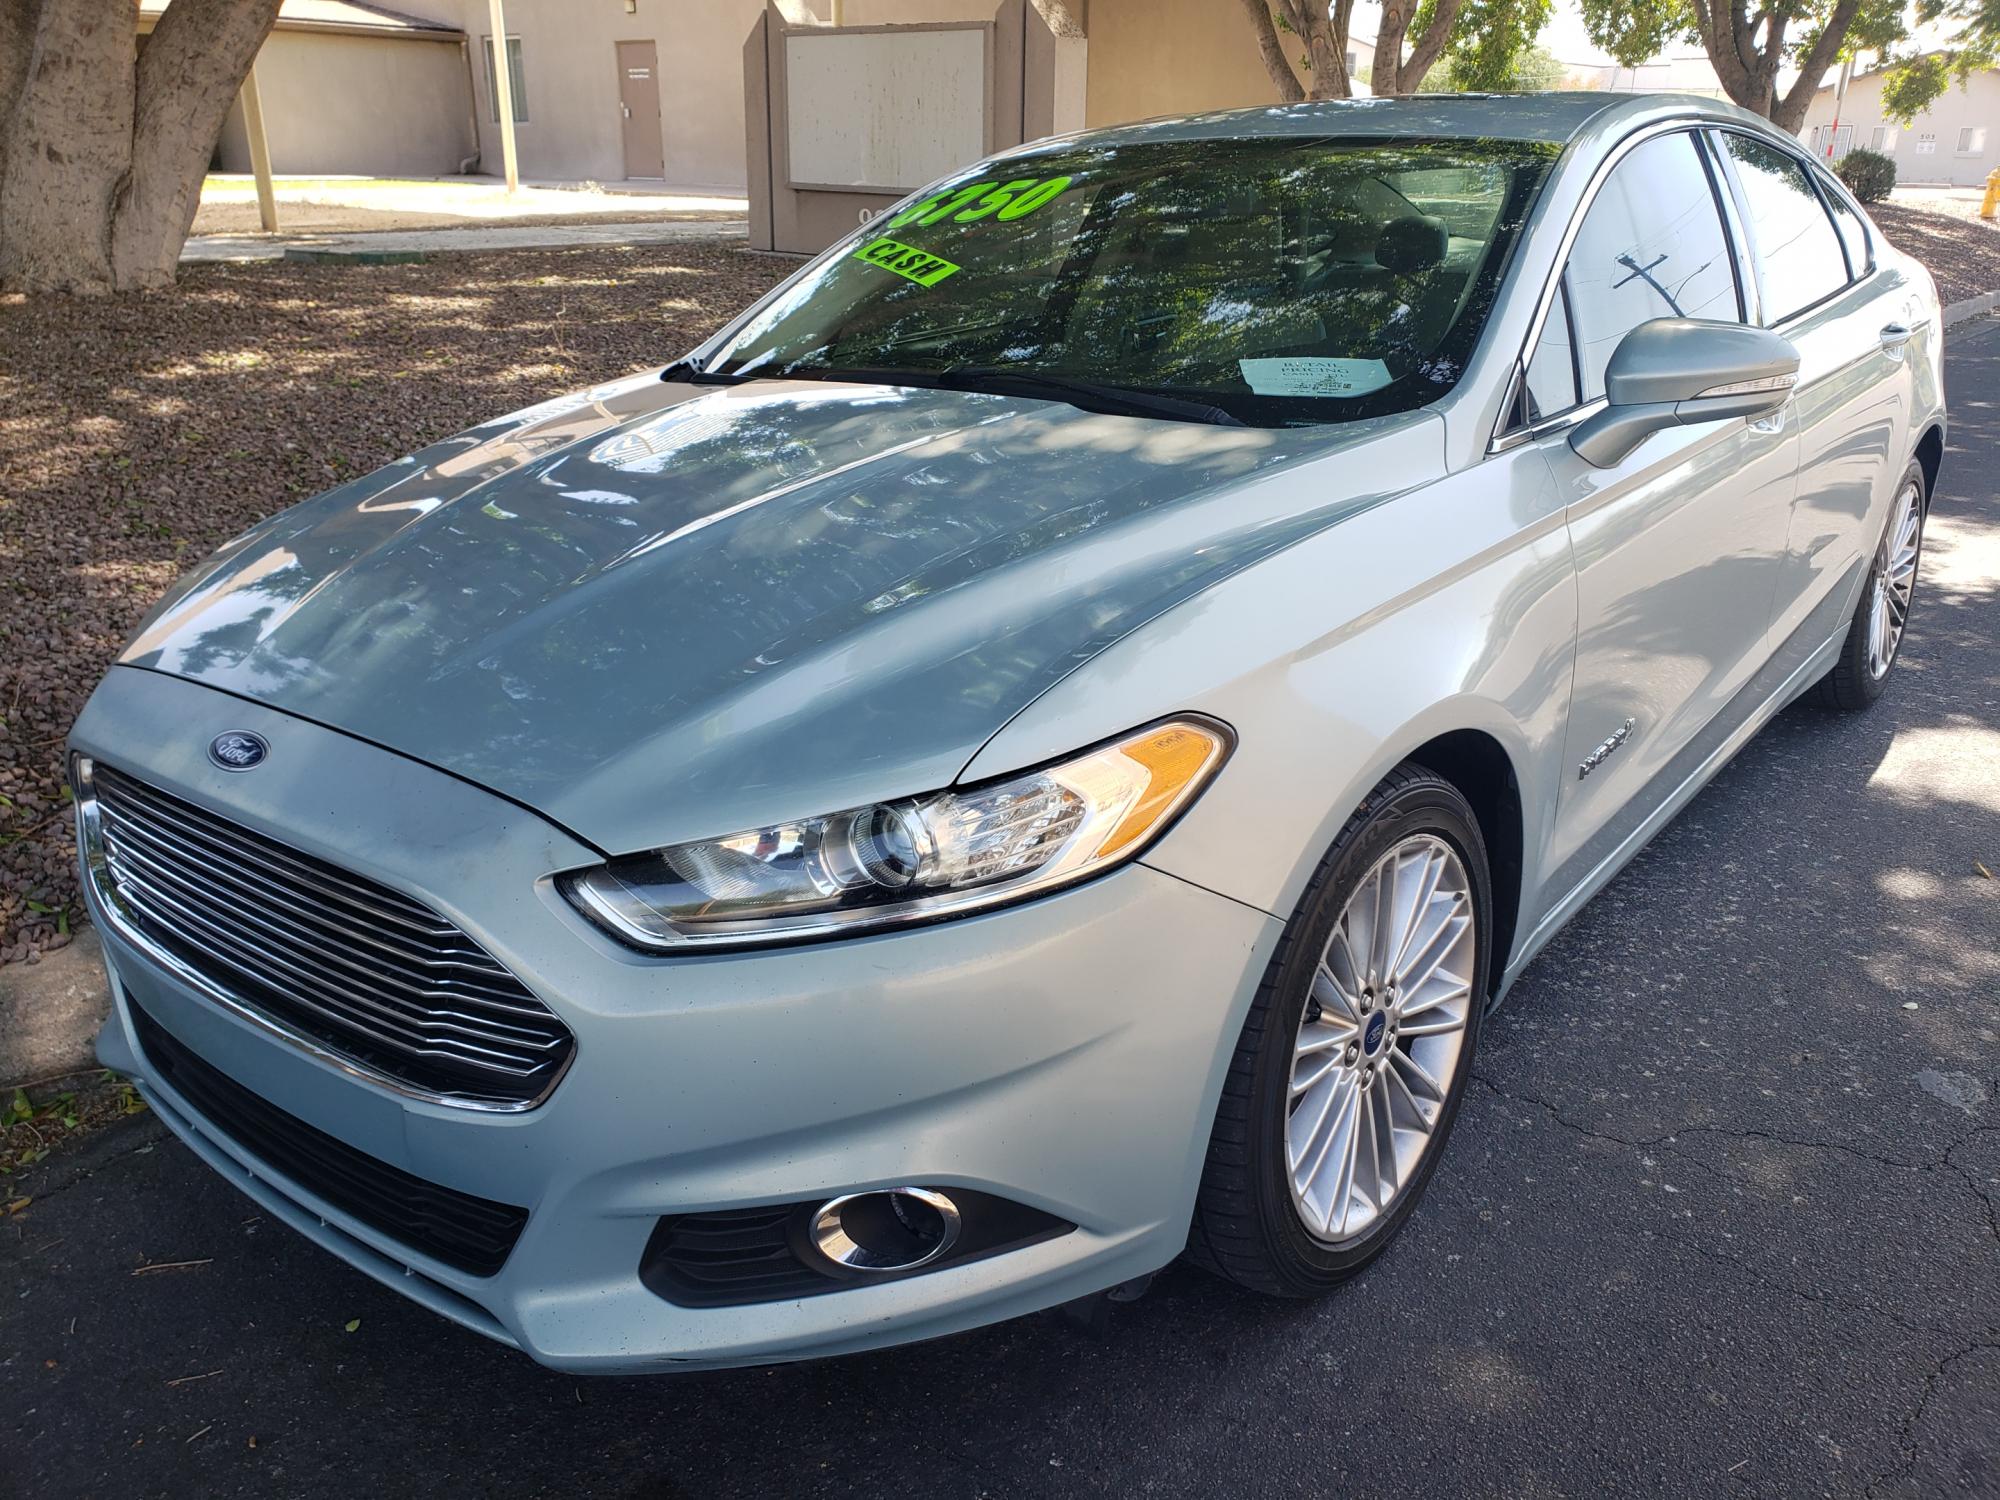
x,y
50,1011
1971,307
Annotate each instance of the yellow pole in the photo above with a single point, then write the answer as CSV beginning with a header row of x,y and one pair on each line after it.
x,y
503,93
260,152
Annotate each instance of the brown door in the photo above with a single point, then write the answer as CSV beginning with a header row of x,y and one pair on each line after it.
x,y
639,101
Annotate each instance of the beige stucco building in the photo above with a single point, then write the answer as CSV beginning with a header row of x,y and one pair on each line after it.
x,y
1955,141
354,88
653,90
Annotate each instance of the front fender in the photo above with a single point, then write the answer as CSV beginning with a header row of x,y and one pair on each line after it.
x,y
1451,607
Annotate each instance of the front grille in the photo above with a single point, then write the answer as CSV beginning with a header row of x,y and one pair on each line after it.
x,y
373,974
474,1234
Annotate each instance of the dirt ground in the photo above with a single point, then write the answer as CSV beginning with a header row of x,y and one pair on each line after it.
x,y
1962,253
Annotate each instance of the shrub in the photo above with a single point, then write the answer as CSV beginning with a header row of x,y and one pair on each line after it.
x,y
1868,174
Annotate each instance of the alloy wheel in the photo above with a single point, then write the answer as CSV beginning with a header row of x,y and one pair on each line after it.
x,y
1381,1038
1895,581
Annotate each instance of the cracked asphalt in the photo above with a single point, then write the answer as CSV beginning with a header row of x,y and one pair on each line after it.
x,y
1719,1218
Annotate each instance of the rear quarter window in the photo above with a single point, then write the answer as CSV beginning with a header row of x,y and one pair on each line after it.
x,y
1798,252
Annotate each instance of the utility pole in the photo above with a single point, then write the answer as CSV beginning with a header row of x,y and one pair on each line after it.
x,y
503,93
1839,100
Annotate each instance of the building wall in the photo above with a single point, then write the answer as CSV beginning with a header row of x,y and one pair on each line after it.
x,y
384,106
1146,57
1977,104
574,129
1165,57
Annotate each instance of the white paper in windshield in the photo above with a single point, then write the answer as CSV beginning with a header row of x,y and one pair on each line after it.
x,y
1309,375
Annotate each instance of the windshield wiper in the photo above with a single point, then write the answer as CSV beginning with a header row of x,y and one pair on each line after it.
x,y
1115,400
687,372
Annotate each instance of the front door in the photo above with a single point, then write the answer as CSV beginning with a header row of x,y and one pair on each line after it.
x,y
639,101
1679,546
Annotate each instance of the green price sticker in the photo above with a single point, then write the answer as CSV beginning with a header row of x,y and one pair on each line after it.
x,y
920,266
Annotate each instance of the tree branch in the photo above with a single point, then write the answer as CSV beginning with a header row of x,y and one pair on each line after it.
x,y
1790,113
1429,46
1290,91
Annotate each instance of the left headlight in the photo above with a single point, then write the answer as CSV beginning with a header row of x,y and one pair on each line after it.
x,y
898,862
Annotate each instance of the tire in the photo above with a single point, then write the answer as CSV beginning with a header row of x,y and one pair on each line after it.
x,y
1862,670
1251,1222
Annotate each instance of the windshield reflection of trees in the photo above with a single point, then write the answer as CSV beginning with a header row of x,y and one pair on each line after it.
x,y
1167,263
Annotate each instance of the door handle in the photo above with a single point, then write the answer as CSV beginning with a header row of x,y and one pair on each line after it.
x,y
1895,335
628,115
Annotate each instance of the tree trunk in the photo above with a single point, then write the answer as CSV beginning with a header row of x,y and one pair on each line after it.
x,y
1393,73
68,147
1273,52
102,157
191,70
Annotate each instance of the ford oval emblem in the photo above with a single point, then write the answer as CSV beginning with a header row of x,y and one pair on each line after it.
x,y
238,750
1371,1038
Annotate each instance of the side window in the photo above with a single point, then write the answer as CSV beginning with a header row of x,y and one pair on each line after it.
x,y
1650,246
1799,257
1551,368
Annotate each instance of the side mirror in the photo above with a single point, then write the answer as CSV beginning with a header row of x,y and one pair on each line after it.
x,y
1674,372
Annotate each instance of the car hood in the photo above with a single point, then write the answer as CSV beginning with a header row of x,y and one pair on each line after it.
x,y
656,612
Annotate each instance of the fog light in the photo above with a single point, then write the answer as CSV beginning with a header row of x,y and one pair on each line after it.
x,y
891,1229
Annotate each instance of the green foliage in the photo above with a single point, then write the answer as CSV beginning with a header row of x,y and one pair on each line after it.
x,y
1534,71
1490,49
1493,49
1913,84
1868,174
1637,31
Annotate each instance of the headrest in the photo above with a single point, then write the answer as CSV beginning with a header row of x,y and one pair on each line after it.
x,y
1411,244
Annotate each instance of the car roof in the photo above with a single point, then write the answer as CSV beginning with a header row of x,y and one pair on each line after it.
x,y
1555,117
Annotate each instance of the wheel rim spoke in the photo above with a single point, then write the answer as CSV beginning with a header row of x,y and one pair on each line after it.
x,y
1359,1122
1895,583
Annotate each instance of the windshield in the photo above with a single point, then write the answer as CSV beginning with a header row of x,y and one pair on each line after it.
x,y
1273,280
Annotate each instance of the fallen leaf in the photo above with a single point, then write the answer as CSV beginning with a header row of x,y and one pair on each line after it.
x,y
353,1325
1982,869
18,1204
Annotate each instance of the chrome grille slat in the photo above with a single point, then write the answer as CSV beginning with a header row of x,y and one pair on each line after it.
x,y
300,966
141,847
234,843
246,958
327,954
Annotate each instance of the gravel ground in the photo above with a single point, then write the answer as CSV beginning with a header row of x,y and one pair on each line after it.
x,y
138,433
1963,254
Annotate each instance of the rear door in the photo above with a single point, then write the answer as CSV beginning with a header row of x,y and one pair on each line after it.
x,y
1678,547
1817,283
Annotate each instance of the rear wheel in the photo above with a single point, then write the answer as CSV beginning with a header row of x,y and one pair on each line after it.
x,y
1352,1062
1875,634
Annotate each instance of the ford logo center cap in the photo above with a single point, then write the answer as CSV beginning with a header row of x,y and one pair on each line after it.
x,y
238,750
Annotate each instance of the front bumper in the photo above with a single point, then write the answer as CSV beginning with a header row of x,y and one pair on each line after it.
x,y
1065,1054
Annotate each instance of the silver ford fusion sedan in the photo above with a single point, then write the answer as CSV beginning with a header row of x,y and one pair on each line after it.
x,y
1031,751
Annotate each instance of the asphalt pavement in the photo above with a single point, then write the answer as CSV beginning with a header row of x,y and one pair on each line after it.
x,y
1719,1218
